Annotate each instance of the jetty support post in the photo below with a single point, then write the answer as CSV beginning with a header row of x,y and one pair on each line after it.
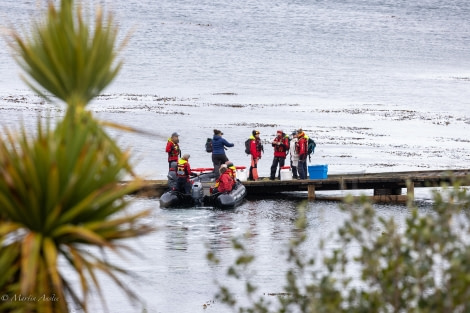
x,y
311,192
388,194
410,190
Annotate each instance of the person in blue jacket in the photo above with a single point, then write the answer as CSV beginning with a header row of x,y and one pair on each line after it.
x,y
218,150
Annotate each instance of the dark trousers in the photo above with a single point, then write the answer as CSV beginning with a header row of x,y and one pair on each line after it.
x,y
277,161
218,160
303,169
183,185
294,170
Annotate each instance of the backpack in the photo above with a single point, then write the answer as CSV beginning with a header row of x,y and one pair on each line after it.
x,y
310,148
209,145
247,146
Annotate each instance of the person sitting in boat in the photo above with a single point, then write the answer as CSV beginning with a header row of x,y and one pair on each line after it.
x,y
183,172
232,171
172,178
225,181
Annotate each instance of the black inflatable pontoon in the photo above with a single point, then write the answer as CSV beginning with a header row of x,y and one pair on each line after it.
x,y
227,200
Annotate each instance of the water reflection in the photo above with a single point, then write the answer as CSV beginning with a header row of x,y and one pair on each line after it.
x,y
174,276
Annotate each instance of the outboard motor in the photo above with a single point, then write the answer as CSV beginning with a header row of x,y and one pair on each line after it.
x,y
172,178
197,192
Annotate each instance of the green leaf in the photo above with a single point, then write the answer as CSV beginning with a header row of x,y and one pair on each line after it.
x,y
30,261
79,234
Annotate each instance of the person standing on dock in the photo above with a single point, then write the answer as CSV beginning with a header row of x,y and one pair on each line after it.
x,y
281,147
302,150
294,155
218,151
255,150
173,149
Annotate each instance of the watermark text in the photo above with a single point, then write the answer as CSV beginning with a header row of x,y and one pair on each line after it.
x,y
28,298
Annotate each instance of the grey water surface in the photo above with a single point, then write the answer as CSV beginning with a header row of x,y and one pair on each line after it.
x,y
381,86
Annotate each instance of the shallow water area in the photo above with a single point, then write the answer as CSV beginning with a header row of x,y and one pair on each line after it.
x,y
171,272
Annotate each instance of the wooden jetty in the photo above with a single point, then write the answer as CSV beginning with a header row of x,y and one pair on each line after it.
x,y
387,186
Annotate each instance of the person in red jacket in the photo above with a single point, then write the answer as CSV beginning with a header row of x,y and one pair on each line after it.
x,y
173,149
302,148
281,146
183,172
256,149
232,171
225,181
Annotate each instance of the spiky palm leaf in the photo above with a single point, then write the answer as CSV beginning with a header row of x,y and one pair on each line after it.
x,y
61,192
59,196
9,274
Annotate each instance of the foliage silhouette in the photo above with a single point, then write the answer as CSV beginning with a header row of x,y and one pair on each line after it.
x,y
421,266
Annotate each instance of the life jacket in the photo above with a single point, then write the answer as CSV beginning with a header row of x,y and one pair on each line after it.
x,y
225,182
183,169
282,149
302,144
232,172
173,150
255,147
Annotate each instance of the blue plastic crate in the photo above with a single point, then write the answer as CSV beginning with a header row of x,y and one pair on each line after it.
x,y
318,171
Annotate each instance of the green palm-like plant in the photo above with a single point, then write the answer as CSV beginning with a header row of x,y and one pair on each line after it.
x,y
60,192
9,273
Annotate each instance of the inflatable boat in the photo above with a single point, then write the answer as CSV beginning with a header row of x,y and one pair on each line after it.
x,y
227,200
175,198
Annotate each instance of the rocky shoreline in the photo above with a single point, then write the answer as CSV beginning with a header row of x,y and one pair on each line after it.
x,y
350,137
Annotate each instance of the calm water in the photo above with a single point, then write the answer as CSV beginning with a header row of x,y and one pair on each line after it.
x,y
172,274
382,85
397,52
